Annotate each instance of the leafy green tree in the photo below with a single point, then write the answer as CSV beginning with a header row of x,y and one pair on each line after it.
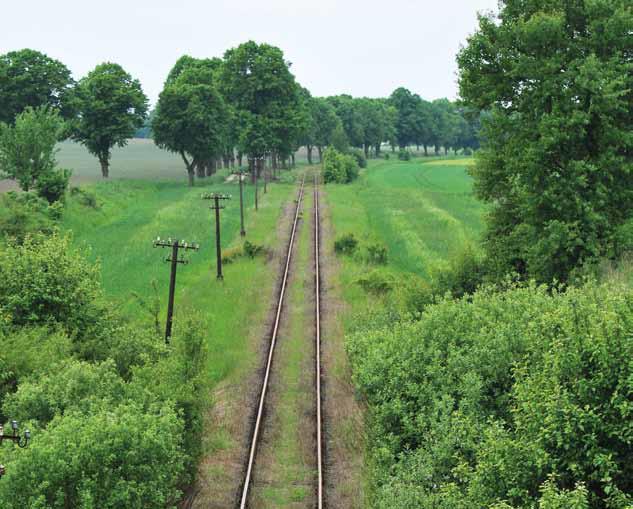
x,y
111,107
348,111
256,80
192,119
407,118
27,149
325,124
556,164
29,78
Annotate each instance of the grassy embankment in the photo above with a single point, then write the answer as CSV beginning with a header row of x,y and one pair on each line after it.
x,y
131,213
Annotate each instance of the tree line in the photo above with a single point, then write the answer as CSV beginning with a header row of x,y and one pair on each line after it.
x,y
214,112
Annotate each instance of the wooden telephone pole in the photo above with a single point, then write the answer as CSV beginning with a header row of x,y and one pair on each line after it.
x,y
175,246
216,206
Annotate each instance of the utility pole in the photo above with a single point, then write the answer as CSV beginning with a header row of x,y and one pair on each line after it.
x,y
216,206
256,170
175,245
239,174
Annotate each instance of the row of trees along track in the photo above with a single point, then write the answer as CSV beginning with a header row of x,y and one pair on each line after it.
x,y
263,400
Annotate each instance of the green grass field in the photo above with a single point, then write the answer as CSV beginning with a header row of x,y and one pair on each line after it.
x,y
132,213
422,210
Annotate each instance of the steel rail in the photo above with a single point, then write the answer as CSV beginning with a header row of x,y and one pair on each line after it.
x,y
273,341
317,284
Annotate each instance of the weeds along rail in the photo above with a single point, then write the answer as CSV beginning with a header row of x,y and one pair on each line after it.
x,y
273,341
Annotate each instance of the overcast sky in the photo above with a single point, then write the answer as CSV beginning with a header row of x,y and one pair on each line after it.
x,y
360,47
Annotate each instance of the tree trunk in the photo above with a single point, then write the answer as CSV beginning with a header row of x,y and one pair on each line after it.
x,y
292,158
251,169
239,160
366,148
426,150
377,151
273,158
445,151
210,167
191,175
309,147
227,160
200,170
105,166
320,151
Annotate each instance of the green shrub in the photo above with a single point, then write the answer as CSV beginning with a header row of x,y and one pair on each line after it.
x,y
387,156
252,250
123,456
84,197
377,254
404,155
376,282
467,271
52,185
359,155
338,168
23,214
516,398
44,281
623,239
346,244
70,385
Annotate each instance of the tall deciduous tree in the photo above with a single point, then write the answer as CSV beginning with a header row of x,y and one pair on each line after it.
x,y
325,123
30,78
257,82
111,106
191,116
27,149
557,161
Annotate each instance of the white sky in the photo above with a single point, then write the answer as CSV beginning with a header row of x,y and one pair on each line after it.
x,y
360,47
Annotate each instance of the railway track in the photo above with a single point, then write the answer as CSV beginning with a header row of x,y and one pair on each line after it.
x,y
261,408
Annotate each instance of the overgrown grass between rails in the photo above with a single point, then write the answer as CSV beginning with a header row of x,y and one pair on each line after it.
x,y
131,213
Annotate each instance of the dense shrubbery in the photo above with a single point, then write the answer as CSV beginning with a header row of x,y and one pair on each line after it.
x,y
346,244
359,155
404,155
507,399
115,414
52,185
338,168
22,214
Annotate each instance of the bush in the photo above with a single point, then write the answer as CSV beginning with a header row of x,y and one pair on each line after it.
x,y
404,155
52,185
84,197
387,156
338,168
24,214
359,155
623,239
376,282
70,385
252,250
346,244
508,399
466,273
377,254
119,457
43,281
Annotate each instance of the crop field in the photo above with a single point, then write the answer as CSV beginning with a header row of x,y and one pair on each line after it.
x,y
422,210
